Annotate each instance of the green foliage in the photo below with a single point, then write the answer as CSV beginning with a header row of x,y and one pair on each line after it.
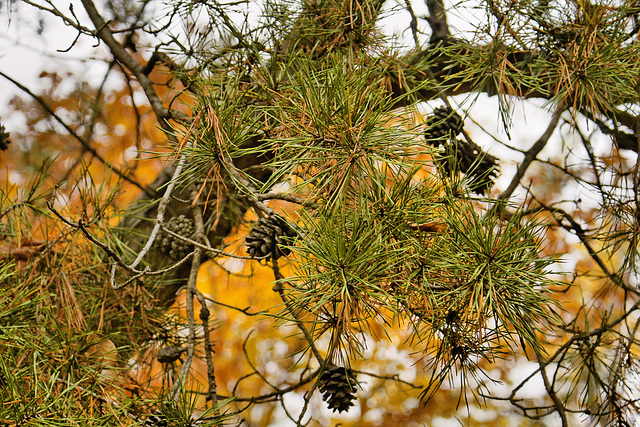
x,y
495,258
333,126
386,240
64,339
345,279
582,58
179,411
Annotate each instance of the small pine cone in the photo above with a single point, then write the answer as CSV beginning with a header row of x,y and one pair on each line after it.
x,y
480,167
170,354
337,385
4,138
159,420
156,421
268,235
443,123
172,246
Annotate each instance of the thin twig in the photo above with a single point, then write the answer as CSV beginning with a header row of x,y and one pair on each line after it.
x,y
582,235
531,155
204,316
210,249
164,202
280,289
191,291
119,52
414,22
244,311
559,406
287,197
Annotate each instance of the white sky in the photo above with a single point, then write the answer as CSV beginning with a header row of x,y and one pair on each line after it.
x,y
24,54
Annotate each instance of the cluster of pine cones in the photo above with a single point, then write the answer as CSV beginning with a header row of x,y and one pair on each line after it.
x,y
267,237
481,168
175,248
156,421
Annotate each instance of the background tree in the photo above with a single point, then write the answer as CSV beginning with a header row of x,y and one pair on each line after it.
x,y
321,177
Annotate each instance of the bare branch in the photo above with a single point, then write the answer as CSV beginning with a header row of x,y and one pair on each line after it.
x,y
531,155
438,21
191,292
280,289
119,52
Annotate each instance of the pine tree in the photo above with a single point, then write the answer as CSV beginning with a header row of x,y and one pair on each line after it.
x,y
393,218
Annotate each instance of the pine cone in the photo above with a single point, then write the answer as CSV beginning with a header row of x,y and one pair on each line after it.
x,y
170,354
443,123
156,421
268,235
480,167
172,246
159,420
4,138
466,157
337,385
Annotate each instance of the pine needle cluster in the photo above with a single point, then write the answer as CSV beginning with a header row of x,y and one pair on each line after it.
x,y
381,237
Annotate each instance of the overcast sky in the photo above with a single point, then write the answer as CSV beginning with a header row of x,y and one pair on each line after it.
x,y
31,41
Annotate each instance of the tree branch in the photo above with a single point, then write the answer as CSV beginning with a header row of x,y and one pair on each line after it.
x,y
121,55
437,21
279,288
531,155
191,292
